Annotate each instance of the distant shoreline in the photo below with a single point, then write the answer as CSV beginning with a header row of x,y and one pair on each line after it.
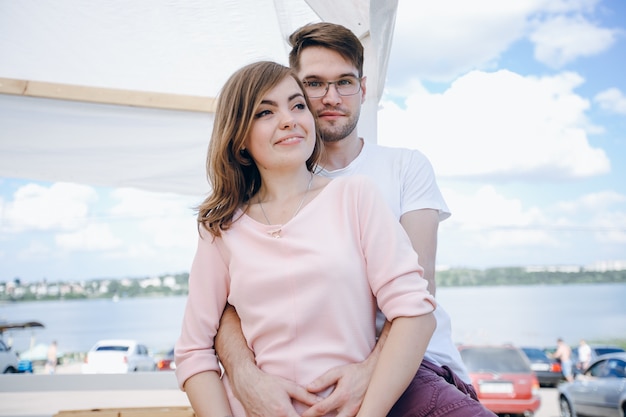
x,y
177,285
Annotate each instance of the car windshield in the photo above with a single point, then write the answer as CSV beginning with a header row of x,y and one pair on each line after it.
x,y
501,360
112,348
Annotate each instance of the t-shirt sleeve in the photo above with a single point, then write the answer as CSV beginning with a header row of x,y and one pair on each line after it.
x,y
420,189
395,276
208,291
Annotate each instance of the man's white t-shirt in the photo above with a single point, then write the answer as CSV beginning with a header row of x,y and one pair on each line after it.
x,y
407,181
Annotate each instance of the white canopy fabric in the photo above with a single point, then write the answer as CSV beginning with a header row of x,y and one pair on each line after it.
x,y
119,93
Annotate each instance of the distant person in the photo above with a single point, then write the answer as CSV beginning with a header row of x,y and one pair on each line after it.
x,y
51,358
564,354
584,355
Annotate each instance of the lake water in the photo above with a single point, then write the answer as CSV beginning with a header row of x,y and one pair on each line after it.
x,y
522,315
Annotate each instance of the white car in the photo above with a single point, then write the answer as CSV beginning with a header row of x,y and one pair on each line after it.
x,y
118,357
8,359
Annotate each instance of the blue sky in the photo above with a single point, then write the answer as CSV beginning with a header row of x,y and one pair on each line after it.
x,y
520,106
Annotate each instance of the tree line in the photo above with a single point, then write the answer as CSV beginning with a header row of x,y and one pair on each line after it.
x,y
521,276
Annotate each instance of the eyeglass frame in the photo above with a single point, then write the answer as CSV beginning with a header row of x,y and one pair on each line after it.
x,y
329,83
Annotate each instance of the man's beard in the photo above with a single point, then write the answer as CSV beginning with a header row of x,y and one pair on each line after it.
x,y
334,133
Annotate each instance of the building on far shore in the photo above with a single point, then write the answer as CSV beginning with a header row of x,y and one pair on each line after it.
x,y
601,266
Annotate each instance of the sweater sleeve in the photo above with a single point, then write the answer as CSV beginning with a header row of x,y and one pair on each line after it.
x,y
208,291
393,270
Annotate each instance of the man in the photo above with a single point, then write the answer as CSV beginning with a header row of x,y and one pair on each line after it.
x,y
564,354
51,358
328,58
584,355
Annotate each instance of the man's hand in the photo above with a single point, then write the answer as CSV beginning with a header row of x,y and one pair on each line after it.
x,y
265,395
260,394
350,382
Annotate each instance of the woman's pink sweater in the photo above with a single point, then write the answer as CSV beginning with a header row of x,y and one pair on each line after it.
x,y
307,299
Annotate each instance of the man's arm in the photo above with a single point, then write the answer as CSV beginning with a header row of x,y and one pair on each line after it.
x,y
260,394
422,227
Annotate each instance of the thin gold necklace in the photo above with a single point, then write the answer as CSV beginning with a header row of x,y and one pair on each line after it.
x,y
276,233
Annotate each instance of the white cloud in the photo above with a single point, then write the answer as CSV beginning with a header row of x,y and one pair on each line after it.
x,y
498,125
611,227
134,250
488,228
93,237
561,40
140,204
35,250
592,202
160,220
166,220
568,6
612,100
488,209
598,210
601,212
440,40
516,238
61,206
173,232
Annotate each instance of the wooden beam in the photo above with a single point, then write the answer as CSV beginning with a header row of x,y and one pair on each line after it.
x,y
106,95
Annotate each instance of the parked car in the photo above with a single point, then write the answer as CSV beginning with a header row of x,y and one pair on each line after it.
x,y
502,378
8,359
118,357
166,363
599,391
548,370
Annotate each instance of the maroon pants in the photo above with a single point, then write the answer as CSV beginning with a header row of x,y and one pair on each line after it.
x,y
436,392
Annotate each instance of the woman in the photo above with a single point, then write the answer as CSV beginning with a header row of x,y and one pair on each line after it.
x,y
302,258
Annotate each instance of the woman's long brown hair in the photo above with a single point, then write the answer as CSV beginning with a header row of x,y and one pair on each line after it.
x,y
233,175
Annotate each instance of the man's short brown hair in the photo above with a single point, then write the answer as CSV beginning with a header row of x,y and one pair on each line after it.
x,y
326,35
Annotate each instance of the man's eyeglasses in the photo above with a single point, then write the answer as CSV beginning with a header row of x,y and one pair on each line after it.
x,y
346,86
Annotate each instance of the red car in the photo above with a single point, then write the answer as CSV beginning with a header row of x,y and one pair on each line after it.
x,y
166,363
503,379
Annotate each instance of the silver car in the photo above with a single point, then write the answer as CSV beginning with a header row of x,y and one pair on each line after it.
x,y
599,392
